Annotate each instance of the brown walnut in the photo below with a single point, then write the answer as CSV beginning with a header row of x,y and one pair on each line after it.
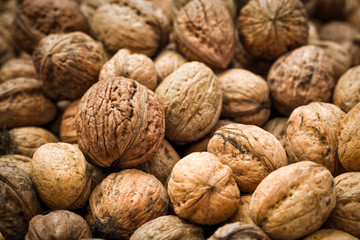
x,y
17,67
239,231
67,127
330,234
242,214
20,161
167,62
7,48
353,48
277,127
338,31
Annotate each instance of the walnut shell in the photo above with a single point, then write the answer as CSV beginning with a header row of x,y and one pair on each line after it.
x,y
354,18
167,62
300,77
120,123
202,189
192,99
338,31
239,230
204,31
167,227
124,201
294,200
277,127
330,234
346,214
242,214
17,67
136,66
97,175
23,103
7,50
353,48
68,64
250,152
20,161
61,176
67,127
60,224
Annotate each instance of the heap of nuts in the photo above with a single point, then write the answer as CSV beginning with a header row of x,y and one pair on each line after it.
x,y
179,119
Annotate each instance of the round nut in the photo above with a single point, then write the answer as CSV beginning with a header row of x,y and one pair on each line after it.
x,y
330,234
277,127
167,62
242,214
20,161
337,31
67,127
17,67
239,230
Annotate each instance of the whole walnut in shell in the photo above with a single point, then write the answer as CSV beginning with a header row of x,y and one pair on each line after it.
x,y
353,48
119,123
192,99
294,200
68,64
202,189
17,67
167,62
57,225
7,48
67,130
124,201
239,230
277,127
242,214
302,76
338,31
330,234
61,176
271,28
20,161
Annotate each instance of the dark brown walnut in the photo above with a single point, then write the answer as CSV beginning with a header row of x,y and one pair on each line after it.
x,y
242,214
168,227
68,64
24,103
136,66
338,31
20,161
17,67
251,153
137,25
353,48
294,200
19,202
54,126
300,77
67,130
120,123
346,92
271,28
204,31
167,62
277,127
239,231
192,99
36,19
245,97
61,176
7,48
202,189
330,234
329,9
124,201
56,225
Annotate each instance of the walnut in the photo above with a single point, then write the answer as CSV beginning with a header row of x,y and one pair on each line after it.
x,y
20,161
329,9
202,189
294,200
23,103
277,127
270,28
250,152
167,62
17,67
120,123
1,236
330,234
97,175
136,66
165,6
239,230
19,202
60,224
124,201
67,126
310,6
300,77
204,31
87,8
61,176
7,49
353,48
137,25
242,214
192,99
37,18
338,31
168,227
354,18
346,214
68,64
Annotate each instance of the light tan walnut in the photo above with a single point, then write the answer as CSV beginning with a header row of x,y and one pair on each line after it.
x,y
20,161
277,127
17,67
242,214
330,234
167,62
67,130
239,230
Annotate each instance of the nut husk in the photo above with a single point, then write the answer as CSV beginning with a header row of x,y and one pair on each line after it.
x,y
67,127
17,67
239,231
330,234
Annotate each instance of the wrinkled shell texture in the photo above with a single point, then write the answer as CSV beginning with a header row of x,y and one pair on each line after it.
x,y
242,214
138,67
67,127
23,103
120,123
337,31
204,31
192,99
137,25
19,202
300,77
61,176
167,227
167,62
124,201
294,200
68,64
270,28
311,135
20,161
245,97
17,67
37,18
239,230
277,127
202,189
250,152
61,224
330,234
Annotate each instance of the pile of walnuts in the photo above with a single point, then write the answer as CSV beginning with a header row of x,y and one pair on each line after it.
x,y
179,119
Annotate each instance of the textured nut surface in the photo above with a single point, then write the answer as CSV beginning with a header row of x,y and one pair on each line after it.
x,y
167,227
242,214
60,224
23,103
120,123
202,189
68,64
7,50
167,62
300,77
330,234
20,161
239,230
61,175
337,31
277,127
136,66
192,99
17,67
250,152
124,201
294,200
67,130
204,31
